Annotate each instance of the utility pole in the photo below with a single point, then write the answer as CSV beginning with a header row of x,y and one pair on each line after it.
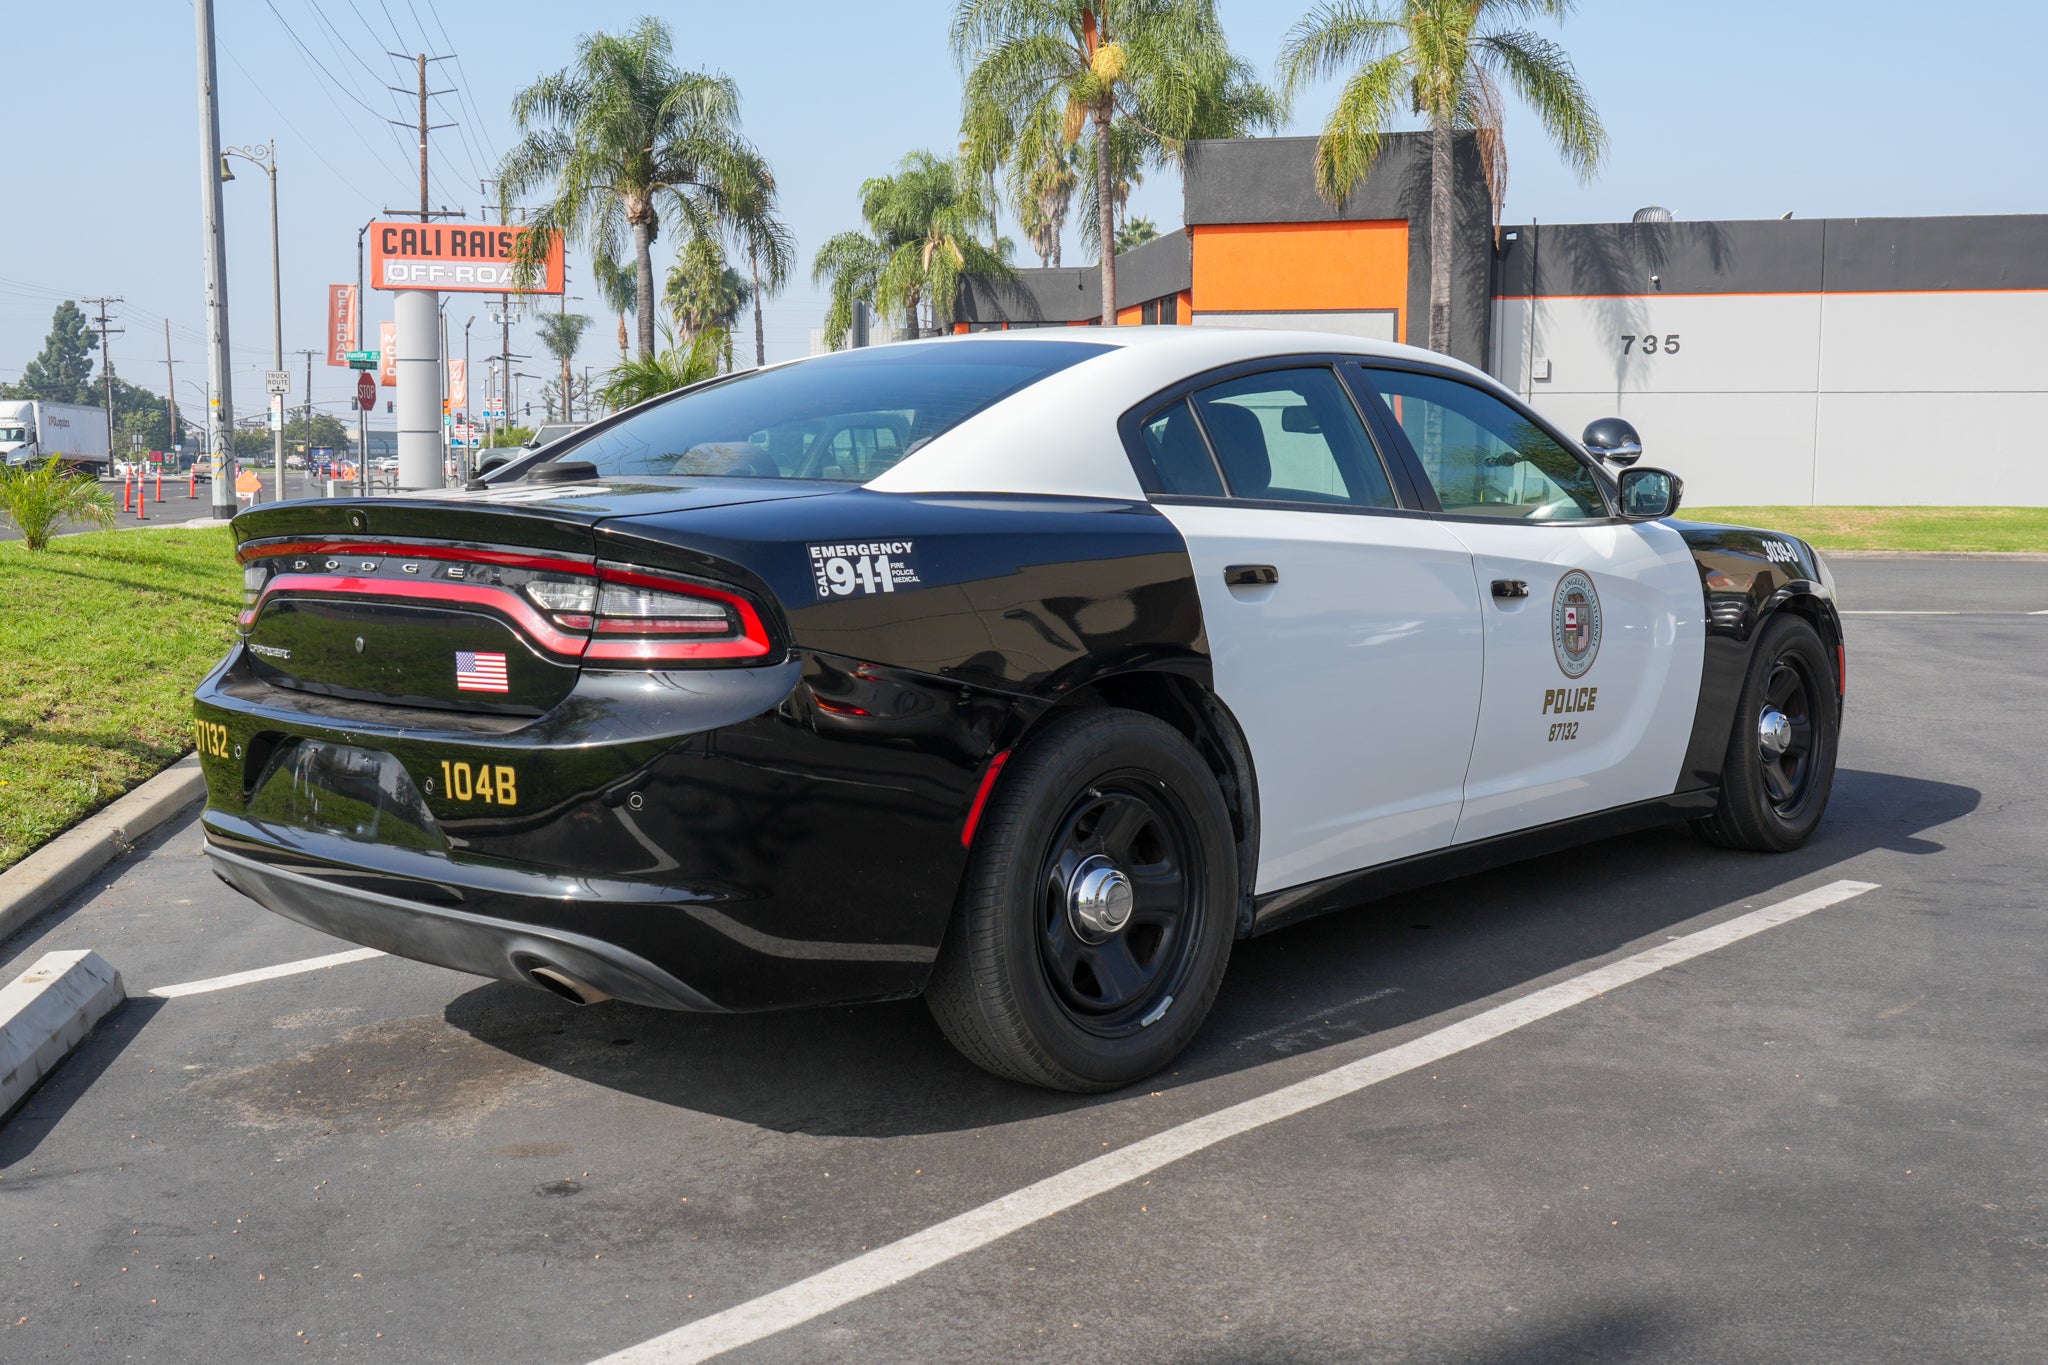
x,y
170,384
107,371
221,407
306,413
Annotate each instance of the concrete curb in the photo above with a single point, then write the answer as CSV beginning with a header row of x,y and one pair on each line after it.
x,y
67,862
2012,556
46,1012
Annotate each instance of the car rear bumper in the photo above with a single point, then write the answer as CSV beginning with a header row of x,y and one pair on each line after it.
x,y
715,841
461,940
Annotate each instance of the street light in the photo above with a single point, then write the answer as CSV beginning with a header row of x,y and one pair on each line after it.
x,y
265,155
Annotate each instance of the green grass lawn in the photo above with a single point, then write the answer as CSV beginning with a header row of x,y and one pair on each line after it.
x,y
1894,528
102,639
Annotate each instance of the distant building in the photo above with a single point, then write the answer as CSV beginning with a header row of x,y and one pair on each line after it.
x,y
1776,361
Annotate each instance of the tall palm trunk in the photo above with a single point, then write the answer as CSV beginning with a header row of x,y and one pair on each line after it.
x,y
643,274
760,333
1105,213
1440,234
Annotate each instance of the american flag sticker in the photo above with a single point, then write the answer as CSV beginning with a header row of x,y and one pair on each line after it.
x,y
475,672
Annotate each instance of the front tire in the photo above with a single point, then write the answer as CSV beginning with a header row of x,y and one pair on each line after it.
x,y
1098,908
1780,766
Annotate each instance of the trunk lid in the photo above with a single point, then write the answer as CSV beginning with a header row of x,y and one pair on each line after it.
x,y
424,600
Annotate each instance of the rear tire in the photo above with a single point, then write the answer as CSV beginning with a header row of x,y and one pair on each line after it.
x,y
1046,976
1777,776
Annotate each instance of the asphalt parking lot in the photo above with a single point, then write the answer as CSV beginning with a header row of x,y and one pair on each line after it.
x,y
1827,1141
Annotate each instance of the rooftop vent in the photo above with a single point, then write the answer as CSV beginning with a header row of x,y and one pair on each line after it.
x,y
1655,213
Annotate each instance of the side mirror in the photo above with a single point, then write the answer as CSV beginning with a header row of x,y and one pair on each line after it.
x,y
1299,419
1612,439
490,462
1647,494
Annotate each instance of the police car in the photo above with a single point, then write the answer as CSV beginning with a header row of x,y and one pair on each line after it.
x,y
1026,671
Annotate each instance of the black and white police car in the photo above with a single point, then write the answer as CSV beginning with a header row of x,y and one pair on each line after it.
x,y
1026,671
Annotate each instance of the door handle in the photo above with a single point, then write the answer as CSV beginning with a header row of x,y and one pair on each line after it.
x,y
1510,587
1250,575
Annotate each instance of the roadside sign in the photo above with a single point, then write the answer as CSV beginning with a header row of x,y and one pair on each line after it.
x,y
366,387
363,360
277,381
277,412
458,258
248,486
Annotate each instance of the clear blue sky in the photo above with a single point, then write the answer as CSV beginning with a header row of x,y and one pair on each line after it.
x,y
1732,110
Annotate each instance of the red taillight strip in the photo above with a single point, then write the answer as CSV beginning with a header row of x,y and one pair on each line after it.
x,y
752,645
582,568
988,784
475,594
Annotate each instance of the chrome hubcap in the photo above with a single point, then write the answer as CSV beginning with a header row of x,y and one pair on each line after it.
x,y
1773,732
1099,899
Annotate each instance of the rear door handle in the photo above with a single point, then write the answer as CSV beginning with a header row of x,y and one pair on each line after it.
x,y
1250,575
1510,587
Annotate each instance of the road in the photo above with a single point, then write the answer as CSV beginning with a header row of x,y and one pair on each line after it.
x,y
1822,1142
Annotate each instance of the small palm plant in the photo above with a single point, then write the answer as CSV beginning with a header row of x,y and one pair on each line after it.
x,y
40,498
635,380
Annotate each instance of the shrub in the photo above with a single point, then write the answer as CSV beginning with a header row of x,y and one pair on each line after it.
x,y
40,498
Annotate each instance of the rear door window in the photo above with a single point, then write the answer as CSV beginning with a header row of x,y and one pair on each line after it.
x,y
1293,436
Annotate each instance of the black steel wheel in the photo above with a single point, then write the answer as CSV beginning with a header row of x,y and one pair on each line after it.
x,y
1098,908
1780,766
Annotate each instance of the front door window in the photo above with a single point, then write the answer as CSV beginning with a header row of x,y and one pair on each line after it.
x,y
1483,457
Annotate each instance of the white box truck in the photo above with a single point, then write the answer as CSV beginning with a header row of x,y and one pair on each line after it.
x,y
31,431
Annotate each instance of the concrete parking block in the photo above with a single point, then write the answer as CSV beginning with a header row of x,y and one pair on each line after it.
x,y
47,1011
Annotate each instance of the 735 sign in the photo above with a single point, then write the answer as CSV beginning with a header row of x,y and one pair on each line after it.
x,y
1651,343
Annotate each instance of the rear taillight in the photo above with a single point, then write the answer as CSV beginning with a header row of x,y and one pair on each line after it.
x,y
650,617
254,576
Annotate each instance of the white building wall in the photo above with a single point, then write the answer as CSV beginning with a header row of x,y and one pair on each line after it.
x,y
1849,398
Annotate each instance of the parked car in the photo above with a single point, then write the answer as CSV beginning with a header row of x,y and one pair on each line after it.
x,y
1027,673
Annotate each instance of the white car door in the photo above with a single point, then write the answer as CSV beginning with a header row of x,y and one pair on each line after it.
x,y
1345,632
1595,626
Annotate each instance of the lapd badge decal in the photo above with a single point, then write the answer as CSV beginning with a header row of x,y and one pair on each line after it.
x,y
1575,623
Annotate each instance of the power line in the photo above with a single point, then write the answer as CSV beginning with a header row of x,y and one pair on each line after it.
x,y
309,144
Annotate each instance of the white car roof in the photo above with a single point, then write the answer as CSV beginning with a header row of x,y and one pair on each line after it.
x,y
1058,436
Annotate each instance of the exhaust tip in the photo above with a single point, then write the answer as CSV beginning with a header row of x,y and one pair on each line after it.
x,y
558,982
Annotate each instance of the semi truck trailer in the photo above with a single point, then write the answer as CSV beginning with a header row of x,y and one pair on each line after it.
x,y
32,430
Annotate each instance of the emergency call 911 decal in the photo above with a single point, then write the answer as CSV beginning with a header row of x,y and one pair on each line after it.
x,y
865,567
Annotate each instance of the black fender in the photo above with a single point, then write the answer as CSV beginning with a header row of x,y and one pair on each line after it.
x,y
1747,576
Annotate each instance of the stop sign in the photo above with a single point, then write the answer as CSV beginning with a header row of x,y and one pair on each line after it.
x,y
366,391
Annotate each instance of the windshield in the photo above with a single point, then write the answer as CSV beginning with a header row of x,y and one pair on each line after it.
x,y
12,435
844,417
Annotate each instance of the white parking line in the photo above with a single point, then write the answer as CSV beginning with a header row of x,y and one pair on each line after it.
x,y
306,964
891,1265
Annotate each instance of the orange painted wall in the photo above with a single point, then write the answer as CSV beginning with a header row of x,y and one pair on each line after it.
x,y
1275,267
1130,317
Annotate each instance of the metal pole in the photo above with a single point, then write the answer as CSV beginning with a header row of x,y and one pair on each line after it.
x,y
276,328
220,413
170,384
468,404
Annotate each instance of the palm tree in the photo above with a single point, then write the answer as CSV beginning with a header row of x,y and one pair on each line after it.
x,y
1138,77
770,246
561,333
618,285
1445,60
622,133
1044,173
1136,232
703,292
925,226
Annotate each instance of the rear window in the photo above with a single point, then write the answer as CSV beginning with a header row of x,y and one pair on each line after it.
x,y
844,417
